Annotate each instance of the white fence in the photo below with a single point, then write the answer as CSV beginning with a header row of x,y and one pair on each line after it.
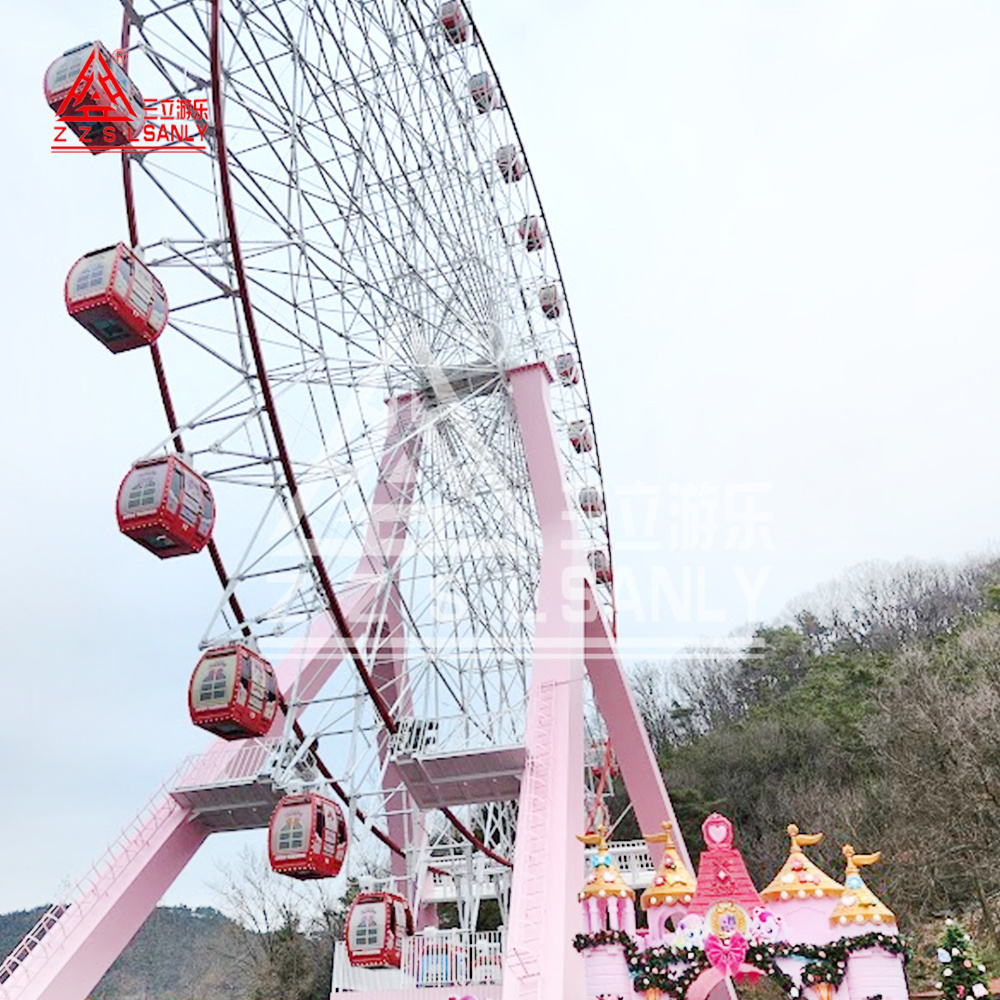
x,y
632,858
224,764
432,959
458,734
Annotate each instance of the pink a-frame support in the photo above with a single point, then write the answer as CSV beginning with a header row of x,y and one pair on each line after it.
x,y
572,636
66,959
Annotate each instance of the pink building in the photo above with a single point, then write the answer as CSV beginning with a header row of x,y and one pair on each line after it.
x,y
819,939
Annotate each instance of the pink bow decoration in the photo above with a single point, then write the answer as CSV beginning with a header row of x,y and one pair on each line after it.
x,y
726,956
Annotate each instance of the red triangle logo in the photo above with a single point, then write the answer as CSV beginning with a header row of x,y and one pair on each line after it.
x,y
96,95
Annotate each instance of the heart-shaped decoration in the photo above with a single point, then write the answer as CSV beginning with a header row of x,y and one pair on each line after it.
x,y
717,832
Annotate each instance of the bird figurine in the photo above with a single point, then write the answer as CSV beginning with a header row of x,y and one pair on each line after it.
x,y
800,840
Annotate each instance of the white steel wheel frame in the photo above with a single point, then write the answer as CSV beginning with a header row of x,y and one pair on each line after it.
x,y
379,262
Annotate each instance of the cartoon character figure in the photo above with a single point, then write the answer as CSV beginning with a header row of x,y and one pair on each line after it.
x,y
690,932
766,926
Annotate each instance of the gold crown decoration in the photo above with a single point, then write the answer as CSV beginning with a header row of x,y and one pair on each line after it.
x,y
858,904
605,880
672,883
798,877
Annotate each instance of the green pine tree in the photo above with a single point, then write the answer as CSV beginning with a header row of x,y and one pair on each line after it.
x,y
962,975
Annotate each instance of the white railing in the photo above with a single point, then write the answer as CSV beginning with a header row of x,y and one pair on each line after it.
x,y
444,888
453,958
72,906
633,860
429,960
458,734
225,764
29,942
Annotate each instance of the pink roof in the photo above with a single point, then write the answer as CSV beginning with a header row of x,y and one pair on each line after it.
x,y
722,873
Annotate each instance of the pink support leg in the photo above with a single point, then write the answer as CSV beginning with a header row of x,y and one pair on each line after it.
x,y
72,957
548,860
379,615
629,739
77,950
571,635
570,631
373,583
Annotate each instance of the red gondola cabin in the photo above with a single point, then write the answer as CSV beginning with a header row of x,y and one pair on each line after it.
x,y
233,693
531,229
484,93
114,296
550,300
377,922
511,163
166,507
453,22
307,837
581,436
567,369
94,97
601,565
591,501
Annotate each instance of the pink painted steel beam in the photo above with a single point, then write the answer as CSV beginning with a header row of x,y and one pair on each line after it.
x,y
388,673
570,632
84,943
386,532
71,959
384,540
613,694
373,612
548,860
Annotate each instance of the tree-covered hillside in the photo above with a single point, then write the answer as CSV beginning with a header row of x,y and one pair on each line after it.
x,y
872,714
185,954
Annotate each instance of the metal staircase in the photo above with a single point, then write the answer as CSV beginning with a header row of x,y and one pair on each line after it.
x,y
223,789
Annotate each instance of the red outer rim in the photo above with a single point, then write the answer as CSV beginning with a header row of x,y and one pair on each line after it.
x,y
305,527
161,378
248,315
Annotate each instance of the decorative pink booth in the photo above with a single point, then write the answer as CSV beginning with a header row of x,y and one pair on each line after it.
x,y
817,938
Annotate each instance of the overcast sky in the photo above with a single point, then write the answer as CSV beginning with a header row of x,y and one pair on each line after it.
x,y
778,226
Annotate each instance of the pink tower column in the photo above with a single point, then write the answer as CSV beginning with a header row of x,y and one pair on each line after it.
x,y
548,861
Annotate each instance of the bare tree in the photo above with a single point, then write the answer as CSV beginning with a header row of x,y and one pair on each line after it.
x,y
878,606
286,928
938,739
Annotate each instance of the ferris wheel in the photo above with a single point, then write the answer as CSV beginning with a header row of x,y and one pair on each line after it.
x,y
378,426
